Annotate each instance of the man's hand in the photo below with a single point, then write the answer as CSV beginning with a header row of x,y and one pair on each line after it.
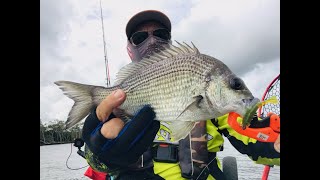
x,y
116,144
110,129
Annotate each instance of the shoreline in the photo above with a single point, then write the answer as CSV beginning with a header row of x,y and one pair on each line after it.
x,y
54,143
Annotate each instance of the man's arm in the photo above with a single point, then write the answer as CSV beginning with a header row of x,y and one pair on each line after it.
x,y
260,152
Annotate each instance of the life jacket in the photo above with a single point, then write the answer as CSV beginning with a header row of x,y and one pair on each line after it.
x,y
196,153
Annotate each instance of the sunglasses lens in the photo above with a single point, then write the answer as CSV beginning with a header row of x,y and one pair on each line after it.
x,y
138,37
162,33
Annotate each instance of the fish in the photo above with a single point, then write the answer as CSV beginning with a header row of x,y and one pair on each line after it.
x,y
251,112
181,85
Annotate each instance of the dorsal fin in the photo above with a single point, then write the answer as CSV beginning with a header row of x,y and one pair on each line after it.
x,y
169,51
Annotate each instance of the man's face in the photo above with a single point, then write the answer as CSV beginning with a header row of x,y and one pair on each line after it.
x,y
148,26
146,39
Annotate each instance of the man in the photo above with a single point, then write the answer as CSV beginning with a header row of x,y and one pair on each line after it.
x,y
144,149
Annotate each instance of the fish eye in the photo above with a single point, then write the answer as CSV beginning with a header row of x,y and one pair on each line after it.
x,y
236,83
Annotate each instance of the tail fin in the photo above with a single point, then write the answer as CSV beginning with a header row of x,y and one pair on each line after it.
x,y
83,101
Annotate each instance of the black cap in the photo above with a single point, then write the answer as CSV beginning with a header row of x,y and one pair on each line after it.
x,y
147,15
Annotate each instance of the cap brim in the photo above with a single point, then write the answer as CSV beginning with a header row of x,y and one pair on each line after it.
x,y
147,15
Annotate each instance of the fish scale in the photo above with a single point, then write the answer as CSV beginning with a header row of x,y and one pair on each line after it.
x,y
182,86
159,80
164,82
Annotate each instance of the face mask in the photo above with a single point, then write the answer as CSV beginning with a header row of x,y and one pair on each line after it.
x,y
147,44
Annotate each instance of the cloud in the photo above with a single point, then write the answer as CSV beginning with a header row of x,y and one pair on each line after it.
x,y
239,34
244,35
259,78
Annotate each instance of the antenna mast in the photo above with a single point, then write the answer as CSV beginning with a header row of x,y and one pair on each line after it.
x,y
105,51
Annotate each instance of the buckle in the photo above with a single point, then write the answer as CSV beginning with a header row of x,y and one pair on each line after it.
x,y
165,152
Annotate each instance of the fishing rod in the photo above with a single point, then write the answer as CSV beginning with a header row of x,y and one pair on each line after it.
x,y
105,49
79,142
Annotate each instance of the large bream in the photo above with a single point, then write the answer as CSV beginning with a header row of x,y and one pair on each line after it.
x,y
182,85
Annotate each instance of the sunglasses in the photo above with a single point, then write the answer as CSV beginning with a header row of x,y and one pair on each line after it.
x,y
138,37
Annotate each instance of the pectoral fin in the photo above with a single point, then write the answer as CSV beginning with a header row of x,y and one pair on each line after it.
x,y
193,106
180,129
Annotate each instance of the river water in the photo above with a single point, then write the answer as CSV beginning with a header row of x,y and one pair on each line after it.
x,y
53,164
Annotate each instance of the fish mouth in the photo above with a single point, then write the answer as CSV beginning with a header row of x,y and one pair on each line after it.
x,y
252,105
249,103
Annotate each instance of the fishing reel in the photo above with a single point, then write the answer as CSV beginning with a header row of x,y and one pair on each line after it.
x,y
79,143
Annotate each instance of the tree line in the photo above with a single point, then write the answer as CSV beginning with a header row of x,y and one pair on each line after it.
x,y
55,132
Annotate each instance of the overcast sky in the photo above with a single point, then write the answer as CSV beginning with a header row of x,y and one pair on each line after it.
x,y
244,34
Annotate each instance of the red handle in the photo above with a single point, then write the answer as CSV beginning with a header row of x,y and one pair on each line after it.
x,y
266,134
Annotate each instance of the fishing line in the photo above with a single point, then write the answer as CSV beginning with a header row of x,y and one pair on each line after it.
x,y
68,159
207,166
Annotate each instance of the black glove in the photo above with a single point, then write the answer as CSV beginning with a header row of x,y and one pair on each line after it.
x,y
256,123
132,141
